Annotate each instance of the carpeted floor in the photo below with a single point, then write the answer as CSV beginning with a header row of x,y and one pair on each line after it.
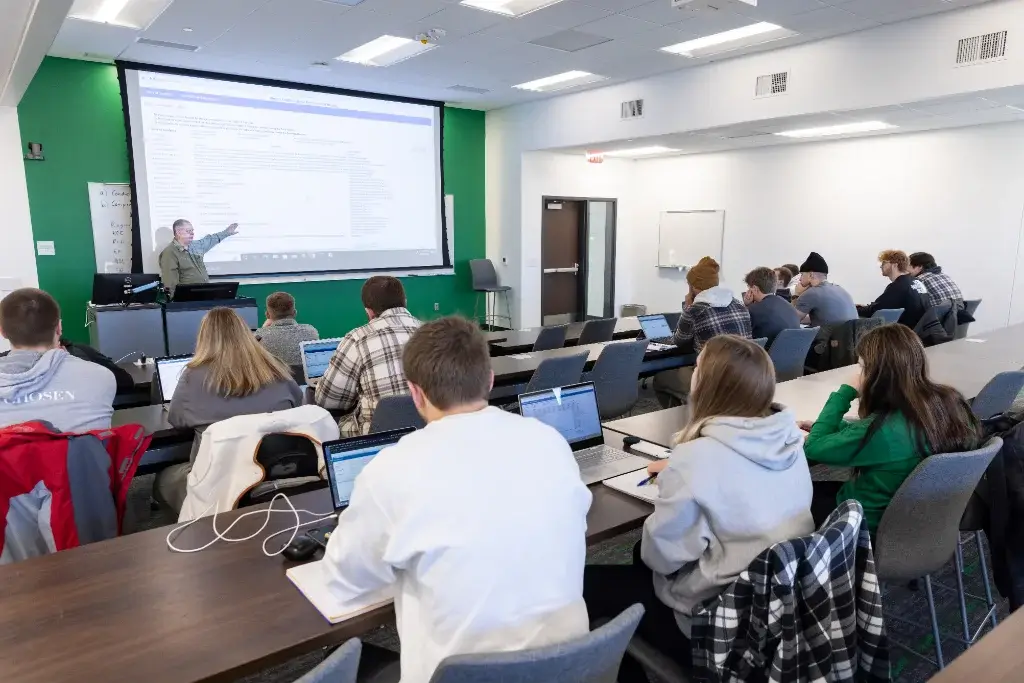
x,y
909,605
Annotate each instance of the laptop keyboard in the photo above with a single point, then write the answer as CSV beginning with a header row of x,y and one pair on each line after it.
x,y
599,455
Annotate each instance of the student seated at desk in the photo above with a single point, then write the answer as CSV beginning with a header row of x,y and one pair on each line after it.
x,y
477,521
904,417
39,380
769,313
709,310
367,365
903,291
281,334
735,483
230,374
819,301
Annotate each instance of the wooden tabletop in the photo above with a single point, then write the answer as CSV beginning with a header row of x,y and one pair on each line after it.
x,y
518,368
996,658
517,341
141,374
130,609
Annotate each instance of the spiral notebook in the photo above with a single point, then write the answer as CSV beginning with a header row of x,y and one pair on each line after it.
x,y
627,483
311,581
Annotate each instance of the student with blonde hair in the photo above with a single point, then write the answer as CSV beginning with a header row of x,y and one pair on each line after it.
x,y
230,374
736,483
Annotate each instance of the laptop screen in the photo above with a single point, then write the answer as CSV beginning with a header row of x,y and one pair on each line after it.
x,y
169,370
572,410
345,459
317,356
655,326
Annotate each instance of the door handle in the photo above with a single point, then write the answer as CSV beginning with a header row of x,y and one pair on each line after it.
x,y
574,270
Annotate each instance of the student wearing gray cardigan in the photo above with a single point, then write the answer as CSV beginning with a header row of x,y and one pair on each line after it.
x,y
281,334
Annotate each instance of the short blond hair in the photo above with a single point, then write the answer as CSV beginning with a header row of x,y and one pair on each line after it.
x,y
897,258
238,365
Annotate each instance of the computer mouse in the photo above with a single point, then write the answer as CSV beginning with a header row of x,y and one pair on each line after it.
x,y
630,441
301,549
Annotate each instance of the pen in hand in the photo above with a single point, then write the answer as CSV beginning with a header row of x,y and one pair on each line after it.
x,y
649,480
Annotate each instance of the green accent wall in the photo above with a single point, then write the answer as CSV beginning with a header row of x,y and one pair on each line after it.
x,y
74,109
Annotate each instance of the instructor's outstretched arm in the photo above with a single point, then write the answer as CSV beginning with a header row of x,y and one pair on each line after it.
x,y
205,244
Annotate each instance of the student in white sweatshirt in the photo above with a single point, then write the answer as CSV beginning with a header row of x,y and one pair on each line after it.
x,y
736,482
477,521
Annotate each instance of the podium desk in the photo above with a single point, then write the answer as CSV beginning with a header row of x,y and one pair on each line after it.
x,y
182,319
123,332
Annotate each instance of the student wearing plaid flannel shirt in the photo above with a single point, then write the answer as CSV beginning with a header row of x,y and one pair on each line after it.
x,y
709,310
367,366
941,287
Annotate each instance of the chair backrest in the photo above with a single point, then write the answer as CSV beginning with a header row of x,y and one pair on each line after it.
x,y
761,341
340,667
921,526
596,331
395,412
298,373
673,319
290,458
947,317
483,273
550,338
616,377
996,397
558,372
789,351
889,315
592,657
972,306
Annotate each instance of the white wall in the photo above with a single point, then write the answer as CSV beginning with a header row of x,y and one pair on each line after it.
x,y
958,194
17,258
892,64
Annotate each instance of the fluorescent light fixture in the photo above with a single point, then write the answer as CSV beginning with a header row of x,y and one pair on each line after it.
x,y
137,14
385,51
559,81
640,151
841,129
743,36
510,8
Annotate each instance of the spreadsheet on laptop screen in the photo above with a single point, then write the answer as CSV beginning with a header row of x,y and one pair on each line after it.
x,y
655,326
572,411
318,357
345,467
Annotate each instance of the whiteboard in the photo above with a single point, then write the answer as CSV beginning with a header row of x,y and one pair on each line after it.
x,y
110,207
684,237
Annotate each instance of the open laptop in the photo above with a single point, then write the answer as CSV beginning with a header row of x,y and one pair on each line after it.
x,y
656,328
572,410
168,372
316,356
344,460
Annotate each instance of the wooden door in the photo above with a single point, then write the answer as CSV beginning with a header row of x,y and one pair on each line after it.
x,y
561,230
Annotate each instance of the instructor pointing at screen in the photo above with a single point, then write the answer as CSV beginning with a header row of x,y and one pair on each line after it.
x,y
181,261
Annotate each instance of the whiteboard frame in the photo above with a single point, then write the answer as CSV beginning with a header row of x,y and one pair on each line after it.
x,y
721,246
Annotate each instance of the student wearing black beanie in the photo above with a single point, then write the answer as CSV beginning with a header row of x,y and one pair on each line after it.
x,y
819,301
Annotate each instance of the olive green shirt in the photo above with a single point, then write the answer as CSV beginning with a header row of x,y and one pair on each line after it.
x,y
184,265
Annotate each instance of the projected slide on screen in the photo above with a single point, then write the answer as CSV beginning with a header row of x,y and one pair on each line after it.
x,y
317,182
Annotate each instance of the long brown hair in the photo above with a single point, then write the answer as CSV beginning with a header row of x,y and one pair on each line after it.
x,y
735,378
237,364
895,380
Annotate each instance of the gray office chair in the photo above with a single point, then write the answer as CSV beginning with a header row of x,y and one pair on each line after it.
x,y
947,318
672,319
996,397
340,667
485,281
395,412
616,377
889,315
592,658
761,341
550,338
970,308
920,530
789,351
558,372
597,331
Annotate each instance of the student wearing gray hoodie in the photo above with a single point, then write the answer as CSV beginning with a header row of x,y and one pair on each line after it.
x,y
39,380
736,483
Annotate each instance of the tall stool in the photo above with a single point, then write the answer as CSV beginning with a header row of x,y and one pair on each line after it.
x,y
485,281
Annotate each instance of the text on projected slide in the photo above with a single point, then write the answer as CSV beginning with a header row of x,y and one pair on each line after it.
x,y
316,181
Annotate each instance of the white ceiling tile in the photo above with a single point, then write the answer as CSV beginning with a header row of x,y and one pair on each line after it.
x,y
659,12
568,14
616,5
78,37
657,38
777,11
206,19
457,21
711,23
890,10
827,19
952,106
617,26
405,10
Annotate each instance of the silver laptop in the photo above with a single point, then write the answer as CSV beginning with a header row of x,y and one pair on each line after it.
x,y
656,328
572,410
316,356
168,372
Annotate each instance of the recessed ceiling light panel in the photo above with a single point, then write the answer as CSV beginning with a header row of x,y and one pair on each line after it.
x,y
137,14
510,8
744,36
385,51
567,79
640,151
841,129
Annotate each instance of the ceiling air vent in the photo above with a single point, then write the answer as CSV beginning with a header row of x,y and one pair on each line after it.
x,y
634,109
166,43
979,49
771,84
468,89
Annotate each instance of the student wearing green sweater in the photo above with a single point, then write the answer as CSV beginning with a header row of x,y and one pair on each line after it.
x,y
903,418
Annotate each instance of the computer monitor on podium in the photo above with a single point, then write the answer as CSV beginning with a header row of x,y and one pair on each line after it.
x,y
206,291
